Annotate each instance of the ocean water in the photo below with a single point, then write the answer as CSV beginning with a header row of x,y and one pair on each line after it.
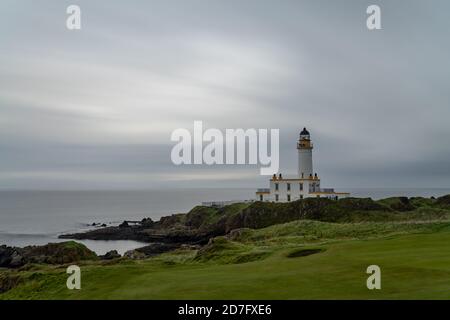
x,y
38,217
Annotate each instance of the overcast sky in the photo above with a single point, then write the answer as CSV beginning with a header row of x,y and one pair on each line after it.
x,y
95,108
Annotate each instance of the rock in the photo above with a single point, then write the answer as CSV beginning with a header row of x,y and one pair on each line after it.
x,y
11,257
124,225
147,222
17,260
52,253
154,249
444,200
103,225
190,246
113,254
141,233
199,215
171,221
237,234
151,250
134,255
109,233
203,223
5,255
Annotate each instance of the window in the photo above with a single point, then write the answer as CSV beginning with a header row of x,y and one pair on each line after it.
x,y
276,197
276,186
260,197
288,187
301,196
289,197
301,186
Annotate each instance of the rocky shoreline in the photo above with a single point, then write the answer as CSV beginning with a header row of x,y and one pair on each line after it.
x,y
199,226
203,223
70,251
164,231
51,253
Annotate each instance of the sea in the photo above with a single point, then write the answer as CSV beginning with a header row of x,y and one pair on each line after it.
x,y
39,217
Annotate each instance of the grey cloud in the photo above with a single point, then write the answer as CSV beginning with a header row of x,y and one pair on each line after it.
x,y
95,108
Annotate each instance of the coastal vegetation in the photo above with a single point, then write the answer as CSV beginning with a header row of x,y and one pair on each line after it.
x,y
308,249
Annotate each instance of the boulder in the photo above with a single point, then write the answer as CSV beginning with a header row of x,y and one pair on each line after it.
x,y
124,225
6,255
113,254
134,255
17,260
444,200
154,249
51,253
147,222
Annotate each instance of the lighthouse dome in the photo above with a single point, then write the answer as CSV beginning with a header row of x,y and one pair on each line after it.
x,y
304,132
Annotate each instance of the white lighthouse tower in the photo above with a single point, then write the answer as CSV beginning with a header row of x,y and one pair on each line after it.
x,y
304,147
305,185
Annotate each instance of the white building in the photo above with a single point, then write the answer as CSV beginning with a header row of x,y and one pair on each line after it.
x,y
305,185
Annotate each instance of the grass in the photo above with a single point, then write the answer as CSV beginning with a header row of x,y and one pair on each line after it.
x,y
201,216
269,264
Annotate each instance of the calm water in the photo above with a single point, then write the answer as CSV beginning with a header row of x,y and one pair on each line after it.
x,y
38,217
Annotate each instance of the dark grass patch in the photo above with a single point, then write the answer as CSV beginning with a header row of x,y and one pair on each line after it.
x,y
9,281
304,252
250,257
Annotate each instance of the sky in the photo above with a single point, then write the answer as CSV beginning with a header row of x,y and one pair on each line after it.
x,y
95,108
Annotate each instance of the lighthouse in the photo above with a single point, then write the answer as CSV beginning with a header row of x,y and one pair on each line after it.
x,y
304,147
305,185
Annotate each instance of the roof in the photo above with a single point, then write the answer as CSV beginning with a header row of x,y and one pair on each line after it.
x,y
304,132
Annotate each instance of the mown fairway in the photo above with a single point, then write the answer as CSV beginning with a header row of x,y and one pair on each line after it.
x,y
414,266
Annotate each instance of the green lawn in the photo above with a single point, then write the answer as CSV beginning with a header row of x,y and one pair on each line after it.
x,y
414,265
